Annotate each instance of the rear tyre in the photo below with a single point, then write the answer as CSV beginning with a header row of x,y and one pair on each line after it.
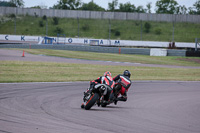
x,y
91,101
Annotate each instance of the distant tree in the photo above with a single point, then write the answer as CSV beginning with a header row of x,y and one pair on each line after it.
x,y
197,6
41,24
117,33
18,3
91,6
147,27
55,20
112,6
59,30
39,7
140,9
127,7
149,6
195,9
12,16
85,27
166,6
191,10
36,7
181,10
7,4
44,17
158,31
68,4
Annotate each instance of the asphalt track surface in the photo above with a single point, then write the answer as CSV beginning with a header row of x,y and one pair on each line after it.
x,y
152,107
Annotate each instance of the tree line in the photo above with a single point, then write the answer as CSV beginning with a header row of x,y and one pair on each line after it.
x,y
161,6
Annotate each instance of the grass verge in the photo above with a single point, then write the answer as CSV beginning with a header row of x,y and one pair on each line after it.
x,y
20,71
169,60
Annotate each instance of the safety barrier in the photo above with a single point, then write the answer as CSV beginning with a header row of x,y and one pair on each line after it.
x,y
100,49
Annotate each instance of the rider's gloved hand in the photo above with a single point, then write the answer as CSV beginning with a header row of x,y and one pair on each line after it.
x,y
92,85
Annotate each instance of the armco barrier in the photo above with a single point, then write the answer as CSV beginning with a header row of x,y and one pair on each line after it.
x,y
139,51
173,52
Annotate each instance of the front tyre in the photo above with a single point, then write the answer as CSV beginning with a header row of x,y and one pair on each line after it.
x,y
91,101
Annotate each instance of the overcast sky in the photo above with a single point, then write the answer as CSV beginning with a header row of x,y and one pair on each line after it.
x,y
104,3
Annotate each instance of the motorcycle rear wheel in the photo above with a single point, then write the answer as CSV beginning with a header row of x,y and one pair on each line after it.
x,y
91,101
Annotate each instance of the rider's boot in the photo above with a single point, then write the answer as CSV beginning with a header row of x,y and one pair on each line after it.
x,y
98,102
104,103
122,98
115,101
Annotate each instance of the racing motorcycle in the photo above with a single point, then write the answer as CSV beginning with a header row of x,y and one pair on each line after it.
x,y
117,90
95,96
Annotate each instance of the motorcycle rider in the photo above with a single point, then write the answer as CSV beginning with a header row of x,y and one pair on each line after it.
x,y
106,79
124,80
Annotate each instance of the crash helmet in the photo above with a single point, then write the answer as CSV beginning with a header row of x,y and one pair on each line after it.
x,y
107,73
127,73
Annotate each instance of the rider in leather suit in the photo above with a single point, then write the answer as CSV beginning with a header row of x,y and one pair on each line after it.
x,y
106,79
125,81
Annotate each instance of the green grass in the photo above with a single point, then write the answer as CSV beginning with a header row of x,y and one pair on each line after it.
x,y
169,60
21,71
94,28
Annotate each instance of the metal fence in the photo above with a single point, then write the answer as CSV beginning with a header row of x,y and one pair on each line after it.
x,y
140,51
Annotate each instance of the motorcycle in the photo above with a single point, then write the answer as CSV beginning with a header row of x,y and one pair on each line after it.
x,y
117,90
95,96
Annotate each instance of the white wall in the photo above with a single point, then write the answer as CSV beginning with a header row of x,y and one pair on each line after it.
x,y
86,41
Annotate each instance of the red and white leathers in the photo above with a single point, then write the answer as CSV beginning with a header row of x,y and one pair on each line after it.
x,y
125,83
106,79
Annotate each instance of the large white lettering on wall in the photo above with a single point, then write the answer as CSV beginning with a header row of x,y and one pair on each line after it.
x,y
39,40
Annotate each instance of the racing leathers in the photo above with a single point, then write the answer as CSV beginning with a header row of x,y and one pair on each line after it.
x,y
107,80
122,85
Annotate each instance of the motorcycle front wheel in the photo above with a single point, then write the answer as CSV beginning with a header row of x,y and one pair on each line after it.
x,y
91,101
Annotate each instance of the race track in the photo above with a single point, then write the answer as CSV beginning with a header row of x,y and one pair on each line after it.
x,y
152,107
